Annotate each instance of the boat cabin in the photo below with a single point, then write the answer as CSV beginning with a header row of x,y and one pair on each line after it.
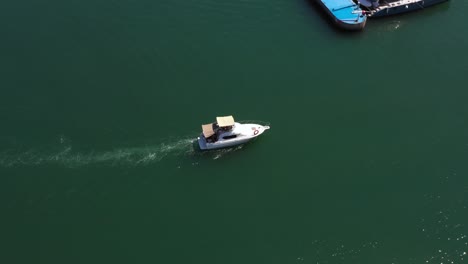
x,y
221,129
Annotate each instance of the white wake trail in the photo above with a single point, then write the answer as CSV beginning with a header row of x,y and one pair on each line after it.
x,y
65,156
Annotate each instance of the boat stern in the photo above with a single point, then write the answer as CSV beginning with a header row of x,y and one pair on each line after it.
x,y
345,13
202,142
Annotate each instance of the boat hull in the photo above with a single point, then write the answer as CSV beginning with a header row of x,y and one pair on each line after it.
x,y
247,132
218,145
401,7
344,13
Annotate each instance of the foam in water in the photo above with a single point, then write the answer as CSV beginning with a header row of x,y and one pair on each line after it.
x,y
65,156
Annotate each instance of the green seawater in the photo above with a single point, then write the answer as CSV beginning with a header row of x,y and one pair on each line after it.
x,y
101,101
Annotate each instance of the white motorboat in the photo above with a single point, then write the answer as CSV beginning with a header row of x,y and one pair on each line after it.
x,y
227,133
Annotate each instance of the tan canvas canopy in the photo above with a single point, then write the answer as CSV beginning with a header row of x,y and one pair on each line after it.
x,y
208,130
224,121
